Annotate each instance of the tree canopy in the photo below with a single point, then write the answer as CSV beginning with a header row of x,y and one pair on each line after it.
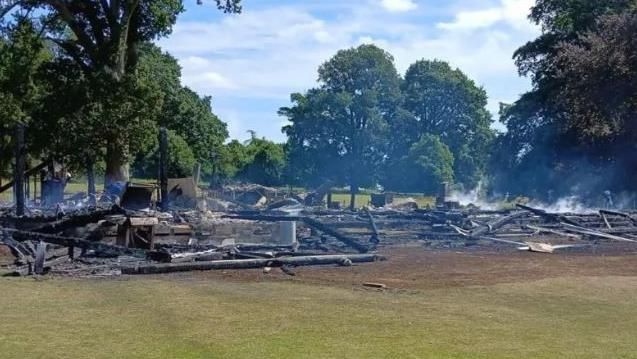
x,y
574,124
104,40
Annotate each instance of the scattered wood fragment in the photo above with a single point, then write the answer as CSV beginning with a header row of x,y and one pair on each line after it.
x,y
374,285
594,233
554,231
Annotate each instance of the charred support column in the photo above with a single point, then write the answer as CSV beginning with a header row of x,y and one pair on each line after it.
x,y
443,192
90,175
19,169
163,160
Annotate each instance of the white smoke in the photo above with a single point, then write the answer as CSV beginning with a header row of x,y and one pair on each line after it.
x,y
569,204
473,197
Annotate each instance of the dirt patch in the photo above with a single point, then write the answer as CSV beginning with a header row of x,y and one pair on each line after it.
x,y
418,268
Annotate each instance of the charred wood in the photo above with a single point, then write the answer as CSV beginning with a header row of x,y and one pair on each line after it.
x,y
249,263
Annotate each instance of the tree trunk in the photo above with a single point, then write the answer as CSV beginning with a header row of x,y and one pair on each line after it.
x,y
117,166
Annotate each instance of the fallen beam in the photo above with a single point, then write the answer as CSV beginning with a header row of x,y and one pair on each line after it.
x,y
594,233
21,236
250,263
554,231
617,213
498,223
77,221
27,173
372,224
546,215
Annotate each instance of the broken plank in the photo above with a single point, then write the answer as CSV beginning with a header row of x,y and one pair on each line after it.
x,y
594,233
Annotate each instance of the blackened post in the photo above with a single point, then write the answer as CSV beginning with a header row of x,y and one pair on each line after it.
x,y
163,159
18,176
90,175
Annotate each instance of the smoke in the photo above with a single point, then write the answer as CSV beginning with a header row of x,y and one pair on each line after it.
x,y
473,197
569,204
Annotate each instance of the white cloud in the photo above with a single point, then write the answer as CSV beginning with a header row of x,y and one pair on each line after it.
x,y
251,62
398,5
512,12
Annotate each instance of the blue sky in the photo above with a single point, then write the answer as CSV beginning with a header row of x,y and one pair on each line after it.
x,y
250,63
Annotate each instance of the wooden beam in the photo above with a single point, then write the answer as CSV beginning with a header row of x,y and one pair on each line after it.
x,y
250,263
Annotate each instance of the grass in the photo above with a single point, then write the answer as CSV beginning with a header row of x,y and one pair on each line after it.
x,y
364,199
197,318
71,188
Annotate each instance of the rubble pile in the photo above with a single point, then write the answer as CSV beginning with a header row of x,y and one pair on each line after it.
x,y
276,232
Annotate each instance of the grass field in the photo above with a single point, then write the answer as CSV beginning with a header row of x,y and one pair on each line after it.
x,y
361,199
189,317
364,200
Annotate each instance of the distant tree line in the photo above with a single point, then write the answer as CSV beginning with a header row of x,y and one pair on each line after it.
x,y
366,125
93,89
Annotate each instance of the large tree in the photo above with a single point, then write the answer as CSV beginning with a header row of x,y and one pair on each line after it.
x,y
341,126
102,39
449,105
550,143
22,53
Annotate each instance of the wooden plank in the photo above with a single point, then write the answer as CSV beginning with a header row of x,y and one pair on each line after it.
x,y
143,221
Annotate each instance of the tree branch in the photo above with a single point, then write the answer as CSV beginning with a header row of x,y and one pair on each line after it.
x,y
68,17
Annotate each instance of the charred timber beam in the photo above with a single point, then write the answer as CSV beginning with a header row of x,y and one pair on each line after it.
x,y
20,236
498,223
594,233
548,216
250,263
372,225
28,173
18,176
617,213
163,171
77,221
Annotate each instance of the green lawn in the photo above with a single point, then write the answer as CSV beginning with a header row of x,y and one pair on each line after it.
x,y
364,200
193,317
71,187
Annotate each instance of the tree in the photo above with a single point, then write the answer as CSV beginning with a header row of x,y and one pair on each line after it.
x,y
264,162
102,38
428,163
599,77
550,142
340,127
22,53
182,110
179,163
433,160
447,104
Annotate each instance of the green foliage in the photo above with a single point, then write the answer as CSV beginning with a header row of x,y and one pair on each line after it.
x,y
338,131
360,126
266,163
22,52
182,110
428,163
446,103
180,162
573,130
105,40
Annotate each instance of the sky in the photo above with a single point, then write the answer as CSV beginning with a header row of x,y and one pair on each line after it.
x,y
251,62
